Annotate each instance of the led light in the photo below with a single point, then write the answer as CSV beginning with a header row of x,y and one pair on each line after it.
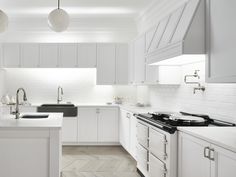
x,y
181,60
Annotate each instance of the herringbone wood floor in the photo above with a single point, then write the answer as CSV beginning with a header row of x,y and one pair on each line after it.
x,y
97,162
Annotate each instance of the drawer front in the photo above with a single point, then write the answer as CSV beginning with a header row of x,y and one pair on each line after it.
x,y
142,157
142,134
157,144
156,167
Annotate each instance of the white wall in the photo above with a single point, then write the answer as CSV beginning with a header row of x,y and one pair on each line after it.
x,y
79,86
2,82
219,100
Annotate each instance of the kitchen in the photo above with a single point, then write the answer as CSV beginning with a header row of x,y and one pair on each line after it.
x,y
117,88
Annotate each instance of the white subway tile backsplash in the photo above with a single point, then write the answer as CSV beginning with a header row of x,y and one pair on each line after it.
x,y
219,100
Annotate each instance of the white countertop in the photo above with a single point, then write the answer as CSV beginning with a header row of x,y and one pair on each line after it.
x,y
221,136
53,121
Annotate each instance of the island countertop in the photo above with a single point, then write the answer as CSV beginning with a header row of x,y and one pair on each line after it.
x,y
53,121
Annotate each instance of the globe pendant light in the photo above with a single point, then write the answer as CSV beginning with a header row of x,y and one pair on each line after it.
x,y
58,19
3,21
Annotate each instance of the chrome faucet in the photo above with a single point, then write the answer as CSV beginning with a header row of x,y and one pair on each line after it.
x,y
59,94
17,112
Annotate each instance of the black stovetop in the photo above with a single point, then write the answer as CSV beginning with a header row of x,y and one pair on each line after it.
x,y
166,122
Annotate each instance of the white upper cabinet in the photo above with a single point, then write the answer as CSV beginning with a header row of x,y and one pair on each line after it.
x,y
108,124
139,59
106,64
87,55
49,55
221,39
152,74
68,54
11,55
30,55
122,64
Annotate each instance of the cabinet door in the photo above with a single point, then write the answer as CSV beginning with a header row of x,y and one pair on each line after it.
x,y
48,55
142,134
139,57
124,123
192,162
87,125
30,55
108,124
221,42
152,74
133,136
11,55
69,129
156,167
68,55
122,64
87,55
106,64
224,164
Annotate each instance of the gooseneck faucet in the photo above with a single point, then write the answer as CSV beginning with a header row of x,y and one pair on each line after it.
x,y
59,94
17,112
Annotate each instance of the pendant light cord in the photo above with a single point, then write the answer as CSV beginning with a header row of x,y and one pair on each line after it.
x,y
58,4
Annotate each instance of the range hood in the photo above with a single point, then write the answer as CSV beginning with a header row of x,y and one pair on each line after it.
x,y
179,38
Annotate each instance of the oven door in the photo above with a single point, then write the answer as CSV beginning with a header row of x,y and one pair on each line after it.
x,y
157,144
156,167
142,158
142,134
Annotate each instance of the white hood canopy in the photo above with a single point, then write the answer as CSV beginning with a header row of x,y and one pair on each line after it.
x,y
179,38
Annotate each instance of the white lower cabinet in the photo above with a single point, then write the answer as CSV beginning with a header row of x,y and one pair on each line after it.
x,y
87,125
97,125
199,158
128,132
124,129
108,125
69,129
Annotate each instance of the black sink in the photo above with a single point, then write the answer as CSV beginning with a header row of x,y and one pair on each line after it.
x,y
35,116
68,110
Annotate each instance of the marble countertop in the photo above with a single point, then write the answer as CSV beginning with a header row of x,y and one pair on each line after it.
x,y
53,121
222,136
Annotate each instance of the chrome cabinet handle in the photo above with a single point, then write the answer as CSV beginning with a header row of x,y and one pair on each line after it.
x,y
207,152
212,154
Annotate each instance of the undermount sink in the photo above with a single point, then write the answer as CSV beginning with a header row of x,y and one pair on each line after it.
x,y
68,110
35,116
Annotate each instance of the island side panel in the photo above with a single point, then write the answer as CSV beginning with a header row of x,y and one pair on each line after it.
x,y
24,152
55,153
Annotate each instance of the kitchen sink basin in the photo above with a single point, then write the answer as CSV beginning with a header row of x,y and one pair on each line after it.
x,y
35,116
68,110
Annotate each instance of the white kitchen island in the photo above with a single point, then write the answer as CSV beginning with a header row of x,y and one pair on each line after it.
x,y
30,147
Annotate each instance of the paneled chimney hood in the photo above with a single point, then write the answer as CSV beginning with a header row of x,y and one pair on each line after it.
x,y
179,38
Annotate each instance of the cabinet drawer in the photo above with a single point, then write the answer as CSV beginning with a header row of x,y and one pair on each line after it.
x,y
157,144
156,167
142,134
142,157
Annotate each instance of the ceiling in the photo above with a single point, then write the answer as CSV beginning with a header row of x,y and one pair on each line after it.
x,y
76,8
